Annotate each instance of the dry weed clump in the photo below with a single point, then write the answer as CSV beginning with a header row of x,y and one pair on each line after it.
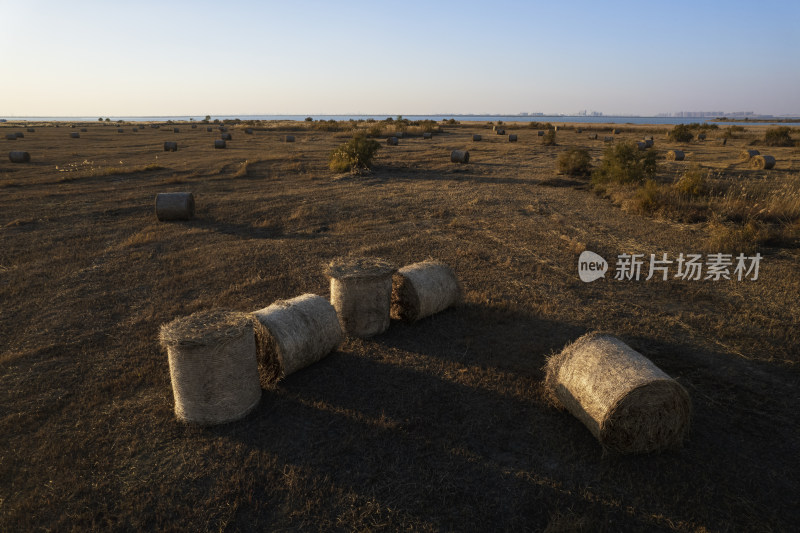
x,y
355,155
575,162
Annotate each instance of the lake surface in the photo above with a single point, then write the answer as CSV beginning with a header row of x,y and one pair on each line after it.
x,y
475,118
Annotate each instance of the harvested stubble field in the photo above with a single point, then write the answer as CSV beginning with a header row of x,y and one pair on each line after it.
x,y
437,425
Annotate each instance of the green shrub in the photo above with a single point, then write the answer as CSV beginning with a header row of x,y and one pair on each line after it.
x,y
309,119
694,182
648,198
778,137
625,163
375,130
549,138
575,162
355,155
681,133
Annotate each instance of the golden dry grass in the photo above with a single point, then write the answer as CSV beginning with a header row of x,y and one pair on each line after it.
x,y
437,425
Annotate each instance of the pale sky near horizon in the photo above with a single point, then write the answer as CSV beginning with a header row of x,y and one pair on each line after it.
x,y
115,58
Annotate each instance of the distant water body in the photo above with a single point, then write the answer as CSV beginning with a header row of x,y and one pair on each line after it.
x,y
471,118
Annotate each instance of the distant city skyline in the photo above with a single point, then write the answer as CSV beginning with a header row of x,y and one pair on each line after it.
x,y
91,57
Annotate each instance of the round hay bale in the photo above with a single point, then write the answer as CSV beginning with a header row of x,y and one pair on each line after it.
x,y
578,130
11,137
361,293
31,130
19,135
501,131
608,139
648,143
626,401
213,365
174,206
170,146
747,155
227,137
641,146
675,155
392,141
512,137
75,135
176,130
84,130
134,130
120,130
219,144
288,138
427,135
399,134
459,156
723,141
300,331
223,129
248,131
593,136
540,133
19,157
701,136
615,131
423,289
194,126
476,137
764,162
209,129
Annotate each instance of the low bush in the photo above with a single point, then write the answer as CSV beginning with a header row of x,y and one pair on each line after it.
x,y
694,182
625,163
681,133
575,162
355,155
778,137
549,138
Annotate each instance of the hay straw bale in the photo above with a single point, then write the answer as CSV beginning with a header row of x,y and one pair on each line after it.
x,y
608,139
300,331
648,143
627,402
31,130
593,136
219,144
361,293
134,130
11,137
423,289
392,141
641,146
764,162
174,206
248,131
701,136
501,131
209,129
427,135
170,146
747,155
75,135
512,137
288,138
578,130
476,137
459,156
227,137
19,157
120,130
540,133
675,155
19,135
176,130
84,130
213,365
399,134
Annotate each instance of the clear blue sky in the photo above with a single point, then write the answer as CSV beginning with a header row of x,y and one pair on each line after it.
x,y
117,58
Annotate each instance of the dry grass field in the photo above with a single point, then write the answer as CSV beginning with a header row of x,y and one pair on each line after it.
x,y
441,425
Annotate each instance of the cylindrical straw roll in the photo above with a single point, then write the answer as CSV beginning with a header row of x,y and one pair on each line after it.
x,y
763,162
174,206
213,365
361,293
301,331
626,401
459,156
19,157
746,155
422,289
675,155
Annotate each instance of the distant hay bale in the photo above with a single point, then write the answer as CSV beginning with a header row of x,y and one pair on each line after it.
x,y
120,130
764,162
19,135
219,144
174,206
209,129
675,155
476,137
459,156
648,143
578,130
75,135
84,130
501,131
288,138
170,146
747,155
19,157
701,136
540,133
194,126
248,131
723,141
512,137
11,137
641,145
176,130
134,130
361,293
392,141
300,331
31,130
626,401
223,129
398,134
593,136
227,137
213,365
615,131
608,139
427,135
423,289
